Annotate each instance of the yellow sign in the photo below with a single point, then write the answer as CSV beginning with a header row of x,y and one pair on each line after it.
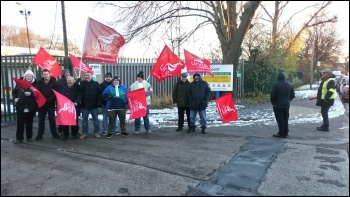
x,y
222,79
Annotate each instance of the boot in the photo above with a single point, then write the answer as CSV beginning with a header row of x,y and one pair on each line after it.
x,y
191,129
203,130
179,129
323,128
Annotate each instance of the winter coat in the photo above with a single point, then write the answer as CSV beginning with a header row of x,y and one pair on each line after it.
x,y
180,93
25,102
91,94
198,94
282,92
103,86
326,92
46,91
73,93
114,101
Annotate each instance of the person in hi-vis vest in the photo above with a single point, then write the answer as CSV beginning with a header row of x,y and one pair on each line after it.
x,y
325,96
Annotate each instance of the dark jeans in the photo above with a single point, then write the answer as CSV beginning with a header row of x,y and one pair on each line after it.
x,y
324,112
74,129
94,114
24,119
112,115
181,115
145,121
282,116
50,111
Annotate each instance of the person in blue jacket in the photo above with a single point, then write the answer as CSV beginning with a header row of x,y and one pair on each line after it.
x,y
116,103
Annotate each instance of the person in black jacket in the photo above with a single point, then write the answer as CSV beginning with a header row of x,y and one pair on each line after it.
x,y
91,100
26,107
180,98
108,81
59,84
325,96
63,81
72,91
282,93
45,86
198,95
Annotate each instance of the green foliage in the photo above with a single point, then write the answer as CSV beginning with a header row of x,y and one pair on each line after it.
x,y
256,98
160,102
297,82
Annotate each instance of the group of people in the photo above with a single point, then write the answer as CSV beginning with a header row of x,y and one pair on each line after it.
x,y
87,96
282,93
190,98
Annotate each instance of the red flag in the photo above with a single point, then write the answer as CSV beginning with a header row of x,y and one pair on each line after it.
x,y
77,64
45,61
66,114
40,99
137,103
197,64
226,108
168,64
102,43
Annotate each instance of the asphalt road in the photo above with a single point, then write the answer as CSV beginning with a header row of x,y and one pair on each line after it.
x,y
229,160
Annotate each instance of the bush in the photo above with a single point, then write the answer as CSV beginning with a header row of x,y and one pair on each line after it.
x,y
255,98
160,102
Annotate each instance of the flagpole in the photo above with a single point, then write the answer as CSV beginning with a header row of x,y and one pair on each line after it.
x,y
75,72
81,58
147,78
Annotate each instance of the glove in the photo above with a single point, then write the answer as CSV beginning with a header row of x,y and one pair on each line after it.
x,y
16,100
27,93
148,92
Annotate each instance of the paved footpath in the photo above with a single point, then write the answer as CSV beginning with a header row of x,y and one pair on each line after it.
x,y
229,160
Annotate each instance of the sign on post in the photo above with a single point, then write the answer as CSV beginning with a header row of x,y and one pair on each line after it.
x,y
222,79
96,68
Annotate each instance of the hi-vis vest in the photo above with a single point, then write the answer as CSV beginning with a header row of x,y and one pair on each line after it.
x,y
324,89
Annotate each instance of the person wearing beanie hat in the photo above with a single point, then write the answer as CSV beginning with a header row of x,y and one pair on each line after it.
x,y
61,82
116,104
29,77
117,78
141,83
326,94
198,94
108,75
140,75
108,81
282,93
26,107
28,72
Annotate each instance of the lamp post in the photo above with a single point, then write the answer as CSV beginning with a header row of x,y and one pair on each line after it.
x,y
318,71
26,14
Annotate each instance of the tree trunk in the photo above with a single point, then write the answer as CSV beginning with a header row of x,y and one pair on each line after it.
x,y
231,48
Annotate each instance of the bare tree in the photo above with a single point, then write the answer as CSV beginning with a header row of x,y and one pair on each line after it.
x,y
279,6
324,46
230,19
